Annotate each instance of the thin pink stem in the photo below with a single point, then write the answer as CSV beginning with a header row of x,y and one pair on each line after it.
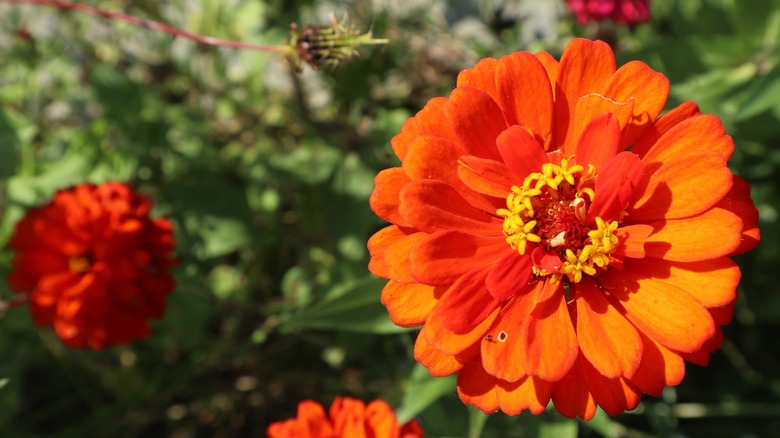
x,y
151,25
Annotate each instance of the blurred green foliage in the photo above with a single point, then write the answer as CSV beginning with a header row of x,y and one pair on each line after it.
x,y
266,175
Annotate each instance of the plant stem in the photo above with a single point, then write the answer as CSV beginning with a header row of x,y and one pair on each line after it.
x,y
152,25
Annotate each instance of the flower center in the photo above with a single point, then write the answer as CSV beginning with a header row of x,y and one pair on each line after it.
x,y
550,211
79,264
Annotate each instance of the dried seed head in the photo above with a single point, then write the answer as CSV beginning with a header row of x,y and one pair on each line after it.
x,y
328,45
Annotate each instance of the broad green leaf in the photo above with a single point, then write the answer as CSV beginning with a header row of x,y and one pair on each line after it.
x,y
356,309
602,424
765,96
313,161
423,390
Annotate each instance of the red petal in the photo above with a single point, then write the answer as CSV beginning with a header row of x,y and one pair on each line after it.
x,y
593,106
698,133
476,120
437,159
606,339
613,395
397,257
571,396
525,93
439,337
738,201
429,121
432,206
530,393
546,261
632,241
548,341
681,187
488,177
438,363
384,199
466,303
615,186
509,276
647,88
684,111
477,388
660,367
445,256
501,350
409,303
666,313
584,69
521,153
709,235
599,141
482,76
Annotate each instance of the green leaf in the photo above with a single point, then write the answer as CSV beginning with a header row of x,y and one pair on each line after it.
x,y
602,424
423,391
765,96
354,306
312,162
477,420
561,428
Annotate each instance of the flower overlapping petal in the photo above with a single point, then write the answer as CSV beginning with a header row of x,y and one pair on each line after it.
x,y
556,237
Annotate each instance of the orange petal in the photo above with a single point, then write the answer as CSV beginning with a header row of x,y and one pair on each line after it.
x,y
584,69
701,356
476,120
632,241
701,132
683,186
477,388
378,245
429,121
438,363
482,76
667,313
571,396
380,419
431,205
738,201
660,367
613,395
593,106
550,65
525,93
438,336
599,141
649,91
664,123
501,349
409,303
548,342
521,153
466,303
606,339
615,186
436,158
384,199
488,177
445,256
397,257
509,276
530,393
712,234
712,282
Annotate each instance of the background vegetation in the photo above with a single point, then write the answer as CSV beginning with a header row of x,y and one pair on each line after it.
x,y
266,175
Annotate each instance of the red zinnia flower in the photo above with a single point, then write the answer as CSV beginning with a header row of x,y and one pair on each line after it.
x,y
349,418
555,238
619,11
94,264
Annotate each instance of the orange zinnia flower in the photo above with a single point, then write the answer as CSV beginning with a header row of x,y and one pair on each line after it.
x,y
555,238
94,264
349,418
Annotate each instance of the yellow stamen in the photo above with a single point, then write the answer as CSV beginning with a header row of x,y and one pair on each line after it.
x,y
78,265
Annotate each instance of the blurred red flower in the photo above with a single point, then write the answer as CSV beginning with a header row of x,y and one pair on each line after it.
x,y
556,238
619,11
94,264
349,418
